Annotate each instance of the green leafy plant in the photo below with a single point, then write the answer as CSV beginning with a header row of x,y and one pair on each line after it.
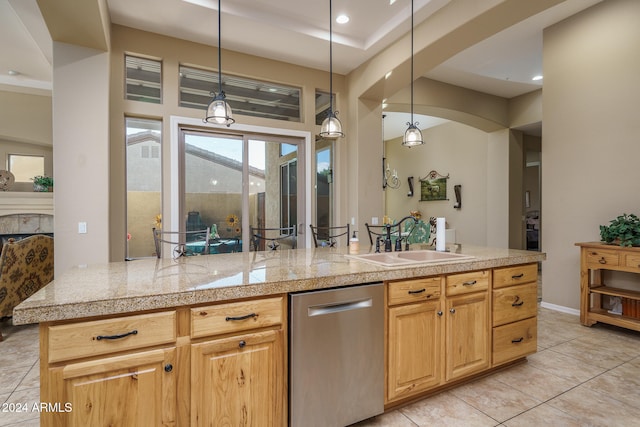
x,y
45,181
623,230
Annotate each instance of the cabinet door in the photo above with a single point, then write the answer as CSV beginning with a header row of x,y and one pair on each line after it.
x,y
238,381
130,390
467,337
414,349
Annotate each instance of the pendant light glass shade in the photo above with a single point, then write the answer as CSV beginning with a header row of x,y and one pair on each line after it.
x,y
331,126
219,111
412,136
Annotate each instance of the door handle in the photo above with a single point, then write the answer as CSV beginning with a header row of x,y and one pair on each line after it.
x,y
337,307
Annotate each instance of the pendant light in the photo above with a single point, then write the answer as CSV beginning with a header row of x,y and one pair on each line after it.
x,y
331,127
219,110
412,136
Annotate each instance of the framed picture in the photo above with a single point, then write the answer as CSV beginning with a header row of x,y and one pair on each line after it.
x,y
433,187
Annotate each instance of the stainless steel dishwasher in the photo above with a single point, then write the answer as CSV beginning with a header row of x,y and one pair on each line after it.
x,y
336,361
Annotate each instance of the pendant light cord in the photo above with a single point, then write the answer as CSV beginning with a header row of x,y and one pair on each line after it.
x,y
220,49
330,57
412,62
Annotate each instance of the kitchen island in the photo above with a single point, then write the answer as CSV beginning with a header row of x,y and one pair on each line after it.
x,y
160,341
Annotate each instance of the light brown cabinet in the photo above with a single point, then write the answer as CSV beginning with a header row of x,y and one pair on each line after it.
x,y
130,390
467,335
126,384
437,331
239,379
595,259
414,347
215,365
514,312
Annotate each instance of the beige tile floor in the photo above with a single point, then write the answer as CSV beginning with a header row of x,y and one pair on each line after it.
x,y
579,377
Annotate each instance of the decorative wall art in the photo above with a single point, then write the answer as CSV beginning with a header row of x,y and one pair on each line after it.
x,y
433,187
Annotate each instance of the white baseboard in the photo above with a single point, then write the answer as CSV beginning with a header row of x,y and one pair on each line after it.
x,y
560,308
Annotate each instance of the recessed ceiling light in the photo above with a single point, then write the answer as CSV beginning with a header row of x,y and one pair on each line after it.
x,y
342,19
13,73
536,78
391,2
386,76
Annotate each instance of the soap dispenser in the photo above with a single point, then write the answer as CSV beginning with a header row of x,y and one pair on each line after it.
x,y
354,244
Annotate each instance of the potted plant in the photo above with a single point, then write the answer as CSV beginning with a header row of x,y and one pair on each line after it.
x,y
42,183
623,230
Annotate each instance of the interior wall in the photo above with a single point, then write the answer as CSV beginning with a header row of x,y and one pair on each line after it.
x,y
516,190
452,149
81,135
590,131
26,118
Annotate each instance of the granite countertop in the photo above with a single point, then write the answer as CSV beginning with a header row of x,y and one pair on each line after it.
x,y
148,284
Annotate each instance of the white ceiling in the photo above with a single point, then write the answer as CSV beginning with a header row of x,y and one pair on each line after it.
x,y
294,31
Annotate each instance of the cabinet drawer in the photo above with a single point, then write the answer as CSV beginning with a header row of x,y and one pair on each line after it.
x,y
234,317
77,340
599,258
467,282
515,275
514,340
515,303
407,291
633,261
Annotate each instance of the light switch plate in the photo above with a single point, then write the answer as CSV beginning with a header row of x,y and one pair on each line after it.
x,y
374,220
82,228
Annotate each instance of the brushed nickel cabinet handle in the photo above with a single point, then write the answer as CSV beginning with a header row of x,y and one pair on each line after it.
x,y
518,276
602,260
470,283
419,291
517,340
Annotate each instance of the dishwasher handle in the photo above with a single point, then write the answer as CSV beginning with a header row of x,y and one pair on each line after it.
x,y
337,307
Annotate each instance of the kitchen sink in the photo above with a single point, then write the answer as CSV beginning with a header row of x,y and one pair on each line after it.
x,y
399,259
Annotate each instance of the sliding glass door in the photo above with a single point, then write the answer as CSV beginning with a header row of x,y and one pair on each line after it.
x,y
230,182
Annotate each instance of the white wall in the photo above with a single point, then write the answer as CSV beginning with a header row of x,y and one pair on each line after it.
x,y
590,145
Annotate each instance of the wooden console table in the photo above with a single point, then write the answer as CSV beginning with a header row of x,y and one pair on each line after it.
x,y
595,257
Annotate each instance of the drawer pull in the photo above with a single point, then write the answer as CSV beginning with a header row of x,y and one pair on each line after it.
x,y
452,311
248,316
470,283
242,344
439,313
518,340
419,291
168,367
117,337
516,303
602,260
518,276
